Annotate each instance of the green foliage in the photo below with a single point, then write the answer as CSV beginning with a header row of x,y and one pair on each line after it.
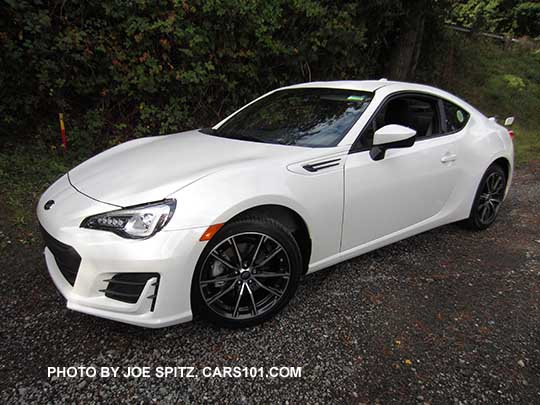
x,y
515,17
528,18
119,69
509,79
526,144
25,172
482,15
499,82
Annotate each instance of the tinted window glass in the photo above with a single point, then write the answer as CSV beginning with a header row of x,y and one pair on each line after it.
x,y
418,113
456,118
305,117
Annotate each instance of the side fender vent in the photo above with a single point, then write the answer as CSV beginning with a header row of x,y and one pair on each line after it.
x,y
315,167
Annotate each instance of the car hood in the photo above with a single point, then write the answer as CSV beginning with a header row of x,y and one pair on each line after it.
x,y
150,169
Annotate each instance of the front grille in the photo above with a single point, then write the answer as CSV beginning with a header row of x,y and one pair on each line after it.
x,y
67,259
127,287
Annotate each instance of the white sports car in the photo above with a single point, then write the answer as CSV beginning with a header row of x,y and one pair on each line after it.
x,y
223,222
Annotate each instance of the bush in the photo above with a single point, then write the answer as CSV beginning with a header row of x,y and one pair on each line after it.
x,y
528,18
119,69
514,17
499,81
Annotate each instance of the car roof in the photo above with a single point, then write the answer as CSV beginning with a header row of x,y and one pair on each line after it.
x,y
367,85
389,88
360,85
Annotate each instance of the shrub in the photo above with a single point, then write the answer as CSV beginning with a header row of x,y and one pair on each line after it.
x,y
119,69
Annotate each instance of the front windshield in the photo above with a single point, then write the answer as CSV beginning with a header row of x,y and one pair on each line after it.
x,y
312,117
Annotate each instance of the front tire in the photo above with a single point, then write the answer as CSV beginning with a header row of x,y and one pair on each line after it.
x,y
247,273
488,199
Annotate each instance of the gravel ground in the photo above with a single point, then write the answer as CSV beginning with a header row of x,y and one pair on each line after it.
x,y
447,316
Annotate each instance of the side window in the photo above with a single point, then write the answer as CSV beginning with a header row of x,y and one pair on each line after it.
x,y
416,112
424,117
456,117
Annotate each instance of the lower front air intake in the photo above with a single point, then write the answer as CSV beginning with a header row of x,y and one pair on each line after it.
x,y
127,287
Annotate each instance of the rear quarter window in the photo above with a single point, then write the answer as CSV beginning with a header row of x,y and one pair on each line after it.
x,y
456,117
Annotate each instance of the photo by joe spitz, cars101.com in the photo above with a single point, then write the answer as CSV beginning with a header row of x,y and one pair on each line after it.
x,y
223,222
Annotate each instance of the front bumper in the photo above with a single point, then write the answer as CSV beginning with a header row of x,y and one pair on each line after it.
x,y
168,257
171,255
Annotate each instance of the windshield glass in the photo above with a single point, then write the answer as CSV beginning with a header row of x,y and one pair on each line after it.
x,y
313,117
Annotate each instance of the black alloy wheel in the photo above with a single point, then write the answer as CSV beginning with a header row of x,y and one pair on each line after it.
x,y
488,200
247,273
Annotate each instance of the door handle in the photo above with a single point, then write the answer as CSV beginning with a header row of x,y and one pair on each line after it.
x,y
449,157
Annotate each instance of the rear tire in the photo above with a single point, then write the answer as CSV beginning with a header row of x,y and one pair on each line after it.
x,y
247,273
488,199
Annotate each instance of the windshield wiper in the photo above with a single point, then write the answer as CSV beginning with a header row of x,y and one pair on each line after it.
x,y
215,132
208,131
247,138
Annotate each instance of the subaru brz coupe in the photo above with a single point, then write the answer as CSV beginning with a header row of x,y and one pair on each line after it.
x,y
223,222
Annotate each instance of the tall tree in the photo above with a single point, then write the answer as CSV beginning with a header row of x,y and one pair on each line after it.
x,y
408,38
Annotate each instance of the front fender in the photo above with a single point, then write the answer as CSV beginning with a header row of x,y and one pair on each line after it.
x,y
217,198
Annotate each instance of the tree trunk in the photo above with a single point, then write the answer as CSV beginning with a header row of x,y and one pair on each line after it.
x,y
406,50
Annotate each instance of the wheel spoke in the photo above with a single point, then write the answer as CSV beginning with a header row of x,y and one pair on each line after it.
x,y
237,306
496,201
497,183
494,207
219,280
238,257
252,299
269,289
220,294
490,211
265,274
491,183
484,212
269,257
222,260
254,257
484,196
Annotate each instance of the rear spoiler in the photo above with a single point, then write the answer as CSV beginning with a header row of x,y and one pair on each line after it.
x,y
508,122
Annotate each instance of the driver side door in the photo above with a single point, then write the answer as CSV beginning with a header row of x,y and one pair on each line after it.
x,y
409,186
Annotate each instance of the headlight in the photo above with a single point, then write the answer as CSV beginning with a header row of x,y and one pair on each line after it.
x,y
137,222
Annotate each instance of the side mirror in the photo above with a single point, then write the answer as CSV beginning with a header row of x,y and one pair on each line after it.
x,y
390,137
509,121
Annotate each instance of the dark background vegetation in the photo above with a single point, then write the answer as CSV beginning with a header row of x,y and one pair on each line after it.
x,y
119,69
448,316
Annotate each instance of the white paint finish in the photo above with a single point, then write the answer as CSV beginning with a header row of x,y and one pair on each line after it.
x,y
171,254
148,169
317,198
349,209
408,186
392,133
69,209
